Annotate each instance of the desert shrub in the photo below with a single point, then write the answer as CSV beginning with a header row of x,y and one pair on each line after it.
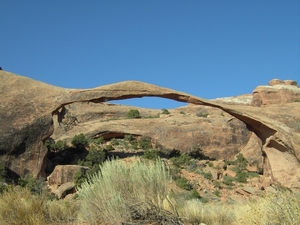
x,y
55,146
35,185
182,160
151,154
195,194
61,211
207,175
129,137
145,143
181,112
192,166
109,148
114,142
60,145
121,192
183,183
202,114
196,152
79,141
94,157
20,206
260,170
228,180
165,111
241,177
133,114
79,178
99,141
217,193
134,144
196,212
217,184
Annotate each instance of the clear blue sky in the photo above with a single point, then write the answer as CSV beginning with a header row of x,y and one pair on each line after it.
x,y
207,48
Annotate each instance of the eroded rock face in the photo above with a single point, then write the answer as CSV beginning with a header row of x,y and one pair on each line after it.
x,y
217,133
277,92
27,107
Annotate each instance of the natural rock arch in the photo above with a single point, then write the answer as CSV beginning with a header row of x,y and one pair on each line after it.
x,y
29,106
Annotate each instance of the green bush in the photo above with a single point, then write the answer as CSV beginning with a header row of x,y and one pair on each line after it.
x,y
129,137
165,111
145,143
228,180
183,183
134,144
182,160
60,146
34,185
114,141
56,146
151,154
109,148
79,141
79,178
217,193
196,152
94,157
207,175
195,194
99,141
133,114
122,193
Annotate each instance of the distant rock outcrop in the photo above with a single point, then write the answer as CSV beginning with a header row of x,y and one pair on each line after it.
x,y
28,107
277,92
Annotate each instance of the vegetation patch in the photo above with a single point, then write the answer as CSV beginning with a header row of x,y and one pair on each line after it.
x,y
133,114
79,141
122,193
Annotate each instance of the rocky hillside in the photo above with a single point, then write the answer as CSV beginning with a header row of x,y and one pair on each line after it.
x,y
264,126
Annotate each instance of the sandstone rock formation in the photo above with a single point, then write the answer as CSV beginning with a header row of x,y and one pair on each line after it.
x,y
219,135
277,92
28,107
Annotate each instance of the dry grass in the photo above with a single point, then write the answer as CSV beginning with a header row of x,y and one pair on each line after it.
x,y
282,208
61,211
196,212
138,193
19,206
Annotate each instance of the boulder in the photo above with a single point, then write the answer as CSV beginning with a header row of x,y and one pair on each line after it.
x,y
276,82
65,189
64,174
291,82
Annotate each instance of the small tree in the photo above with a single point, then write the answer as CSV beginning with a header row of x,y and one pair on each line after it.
x,y
79,141
133,114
